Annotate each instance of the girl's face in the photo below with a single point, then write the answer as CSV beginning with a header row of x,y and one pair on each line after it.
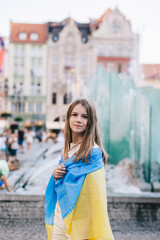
x,y
78,119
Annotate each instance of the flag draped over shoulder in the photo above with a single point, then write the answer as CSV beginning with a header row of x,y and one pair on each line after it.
x,y
1,53
82,198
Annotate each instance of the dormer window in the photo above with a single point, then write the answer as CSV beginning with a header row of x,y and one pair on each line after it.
x,y
55,38
116,26
84,39
22,36
34,36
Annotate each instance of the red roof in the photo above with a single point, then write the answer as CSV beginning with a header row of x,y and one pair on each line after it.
x,y
17,28
151,71
94,23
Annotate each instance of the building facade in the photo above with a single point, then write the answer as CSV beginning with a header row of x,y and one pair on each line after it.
x,y
75,51
150,75
68,67
27,71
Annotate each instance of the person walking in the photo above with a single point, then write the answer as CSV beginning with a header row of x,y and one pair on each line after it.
x,y
29,139
13,142
21,139
75,198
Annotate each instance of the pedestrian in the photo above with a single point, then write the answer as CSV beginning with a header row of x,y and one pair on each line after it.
x,y
13,142
3,143
8,146
5,167
21,139
29,139
75,199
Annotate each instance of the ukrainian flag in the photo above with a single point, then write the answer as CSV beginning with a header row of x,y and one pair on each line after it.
x,y
82,198
1,52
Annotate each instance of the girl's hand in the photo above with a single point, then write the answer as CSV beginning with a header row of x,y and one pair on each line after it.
x,y
59,172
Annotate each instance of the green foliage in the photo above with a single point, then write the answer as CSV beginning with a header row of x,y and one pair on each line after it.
x,y
18,119
6,115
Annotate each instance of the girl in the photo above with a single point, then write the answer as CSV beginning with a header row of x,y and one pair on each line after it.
x,y
75,200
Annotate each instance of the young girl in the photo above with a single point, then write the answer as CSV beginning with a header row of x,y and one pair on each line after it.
x,y
75,200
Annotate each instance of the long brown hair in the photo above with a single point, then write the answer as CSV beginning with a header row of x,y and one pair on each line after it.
x,y
91,135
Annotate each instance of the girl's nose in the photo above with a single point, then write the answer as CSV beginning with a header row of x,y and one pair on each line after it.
x,y
78,119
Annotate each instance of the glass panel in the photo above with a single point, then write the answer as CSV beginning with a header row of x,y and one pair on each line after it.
x,y
124,118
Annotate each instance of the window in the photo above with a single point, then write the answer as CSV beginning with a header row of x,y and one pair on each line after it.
x,y
69,77
22,51
120,51
67,98
55,38
21,107
34,36
16,51
15,69
39,70
70,36
54,98
39,52
100,50
22,36
69,61
33,51
129,51
83,61
54,78
38,89
21,70
84,39
110,51
36,52
32,90
31,107
116,26
13,107
21,89
39,107
55,60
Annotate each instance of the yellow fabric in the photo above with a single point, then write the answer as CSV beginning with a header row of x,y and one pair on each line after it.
x,y
49,229
89,219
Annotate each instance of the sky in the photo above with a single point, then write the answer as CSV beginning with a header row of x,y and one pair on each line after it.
x,y
143,14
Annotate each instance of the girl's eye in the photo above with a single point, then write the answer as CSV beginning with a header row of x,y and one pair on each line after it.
x,y
74,114
85,116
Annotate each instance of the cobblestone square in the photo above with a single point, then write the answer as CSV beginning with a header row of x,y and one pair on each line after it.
x,y
35,230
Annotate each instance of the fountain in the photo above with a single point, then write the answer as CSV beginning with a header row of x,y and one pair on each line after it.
x,y
128,119
129,124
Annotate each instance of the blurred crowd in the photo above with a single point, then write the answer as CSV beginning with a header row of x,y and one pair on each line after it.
x,y
17,141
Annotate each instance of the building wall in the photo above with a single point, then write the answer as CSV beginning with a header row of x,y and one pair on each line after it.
x,y
111,44
27,67
71,72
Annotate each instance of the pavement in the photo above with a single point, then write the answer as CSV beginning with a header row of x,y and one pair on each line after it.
x,y
35,230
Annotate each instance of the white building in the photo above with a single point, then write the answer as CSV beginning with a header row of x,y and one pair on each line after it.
x,y
27,70
75,51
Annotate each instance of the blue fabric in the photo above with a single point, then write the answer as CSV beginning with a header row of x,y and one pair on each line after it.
x,y
1,183
67,189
